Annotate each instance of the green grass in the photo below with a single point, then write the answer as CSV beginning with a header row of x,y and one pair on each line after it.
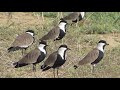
x,y
81,39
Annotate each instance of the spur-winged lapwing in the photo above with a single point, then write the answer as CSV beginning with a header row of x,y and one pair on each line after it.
x,y
95,56
56,59
23,41
74,17
34,57
57,33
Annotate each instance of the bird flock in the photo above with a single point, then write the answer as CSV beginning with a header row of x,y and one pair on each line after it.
x,y
57,58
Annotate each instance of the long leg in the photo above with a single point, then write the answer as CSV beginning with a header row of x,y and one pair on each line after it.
x,y
54,72
58,15
77,24
25,50
61,15
57,73
22,52
93,68
34,67
43,17
9,16
62,41
55,43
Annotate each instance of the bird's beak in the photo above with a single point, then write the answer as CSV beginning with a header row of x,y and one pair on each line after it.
x,y
47,45
68,49
107,44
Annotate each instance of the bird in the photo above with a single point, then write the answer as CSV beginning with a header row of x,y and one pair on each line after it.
x,y
23,41
56,59
94,56
33,57
74,17
56,33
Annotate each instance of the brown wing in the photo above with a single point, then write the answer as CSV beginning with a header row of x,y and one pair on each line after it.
x,y
52,34
31,57
51,59
23,40
90,57
72,16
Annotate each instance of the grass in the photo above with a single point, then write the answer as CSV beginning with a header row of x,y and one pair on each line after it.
x,y
82,39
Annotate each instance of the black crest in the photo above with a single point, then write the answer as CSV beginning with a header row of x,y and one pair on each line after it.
x,y
62,20
102,41
43,42
30,31
65,46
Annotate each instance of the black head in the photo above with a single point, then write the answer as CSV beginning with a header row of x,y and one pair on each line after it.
x,y
61,20
64,46
31,31
103,41
43,42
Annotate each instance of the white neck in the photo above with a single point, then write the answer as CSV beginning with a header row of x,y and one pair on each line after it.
x,y
61,52
62,26
82,14
30,33
41,48
100,47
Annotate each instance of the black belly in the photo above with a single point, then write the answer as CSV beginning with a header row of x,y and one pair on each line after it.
x,y
100,57
61,35
59,62
40,58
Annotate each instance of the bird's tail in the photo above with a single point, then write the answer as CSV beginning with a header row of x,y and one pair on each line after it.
x,y
12,49
17,65
75,66
44,67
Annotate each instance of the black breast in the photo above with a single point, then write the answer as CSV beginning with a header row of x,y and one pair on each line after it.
x,y
61,35
59,62
75,21
80,17
40,58
100,57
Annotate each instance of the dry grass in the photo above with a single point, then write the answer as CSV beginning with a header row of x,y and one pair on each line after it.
x,y
80,43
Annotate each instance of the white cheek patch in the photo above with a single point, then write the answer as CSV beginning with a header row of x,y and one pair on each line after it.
x,y
100,46
61,52
82,14
41,48
62,26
